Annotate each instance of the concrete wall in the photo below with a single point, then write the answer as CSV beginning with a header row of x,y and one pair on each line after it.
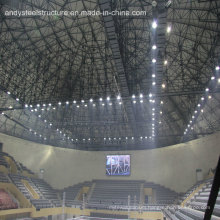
x,y
173,166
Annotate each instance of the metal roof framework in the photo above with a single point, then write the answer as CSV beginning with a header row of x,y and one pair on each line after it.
x,y
94,65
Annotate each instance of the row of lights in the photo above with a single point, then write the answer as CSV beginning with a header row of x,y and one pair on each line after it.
x,y
199,108
154,26
30,129
35,108
154,47
134,98
111,139
128,138
91,101
90,139
34,132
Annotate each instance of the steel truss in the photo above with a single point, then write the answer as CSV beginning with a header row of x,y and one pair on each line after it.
x,y
52,59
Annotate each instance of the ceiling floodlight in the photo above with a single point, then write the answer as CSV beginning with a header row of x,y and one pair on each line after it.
x,y
154,25
168,29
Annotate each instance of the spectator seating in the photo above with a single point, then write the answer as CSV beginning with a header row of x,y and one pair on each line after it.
x,y
42,202
16,179
47,191
71,193
186,213
189,191
115,192
103,193
200,198
3,178
24,168
6,202
164,195
19,167
196,205
3,161
47,196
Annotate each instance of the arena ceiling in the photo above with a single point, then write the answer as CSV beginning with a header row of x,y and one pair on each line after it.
x,y
88,81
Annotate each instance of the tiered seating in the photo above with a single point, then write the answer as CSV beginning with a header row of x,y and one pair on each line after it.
x,y
188,192
47,191
24,168
38,203
2,160
200,198
3,178
41,203
97,216
71,193
34,187
196,205
45,196
115,192
6,202
16,179
19,166
163,195
186,213
169,213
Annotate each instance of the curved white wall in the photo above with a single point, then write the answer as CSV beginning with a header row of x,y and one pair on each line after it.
x,y
173,166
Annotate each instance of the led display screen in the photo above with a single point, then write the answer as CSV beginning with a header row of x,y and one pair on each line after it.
x,y
118,165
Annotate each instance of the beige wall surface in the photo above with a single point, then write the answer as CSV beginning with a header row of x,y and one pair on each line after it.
x,y
174,166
